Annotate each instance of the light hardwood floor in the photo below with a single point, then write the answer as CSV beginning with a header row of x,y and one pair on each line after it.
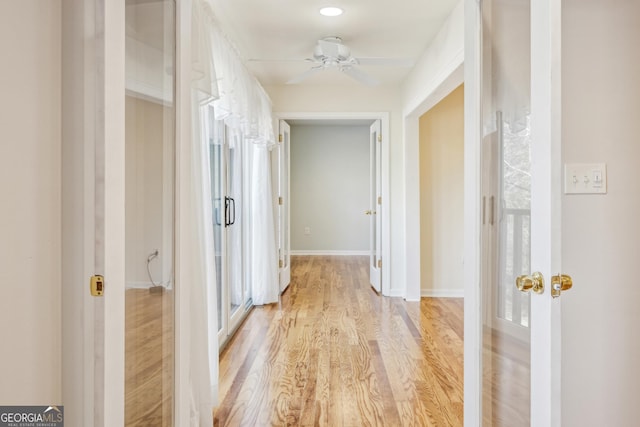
x,y
338,354
149,361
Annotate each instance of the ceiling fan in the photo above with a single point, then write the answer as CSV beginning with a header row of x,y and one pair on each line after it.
x,y
330,52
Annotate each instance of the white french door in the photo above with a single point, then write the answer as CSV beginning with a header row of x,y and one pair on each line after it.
x,y
227,159
284,205
519,369
375,205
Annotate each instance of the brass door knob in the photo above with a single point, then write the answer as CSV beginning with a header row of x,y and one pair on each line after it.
x,y
534,283
560,283
367,212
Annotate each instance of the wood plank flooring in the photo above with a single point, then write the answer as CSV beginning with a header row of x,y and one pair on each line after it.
x,y
338,354
149,361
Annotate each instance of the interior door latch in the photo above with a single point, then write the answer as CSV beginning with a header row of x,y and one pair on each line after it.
x,y
97,285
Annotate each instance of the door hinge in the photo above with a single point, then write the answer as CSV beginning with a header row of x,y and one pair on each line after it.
x,y
280,263
97,285
379,137
280,200
379,200
379,263
280,138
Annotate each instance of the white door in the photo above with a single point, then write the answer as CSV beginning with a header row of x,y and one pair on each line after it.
x,y
520,358
375,206
284,205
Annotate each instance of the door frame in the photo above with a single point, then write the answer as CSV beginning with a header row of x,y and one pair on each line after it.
x,y
93,387
374,218
546,136
386,222
283,216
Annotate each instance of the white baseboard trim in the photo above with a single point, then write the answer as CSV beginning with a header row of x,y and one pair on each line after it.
x,y
145,285
330,253
396,293
442,293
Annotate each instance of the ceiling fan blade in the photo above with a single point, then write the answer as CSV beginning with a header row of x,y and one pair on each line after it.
x,y
392,62
360,76
304,75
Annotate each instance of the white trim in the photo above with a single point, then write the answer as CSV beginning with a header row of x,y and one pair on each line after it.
x,y
113,303
78,242
442,293
452,77
472,194
546,205
182,339
396,293
386,178
147,285
329,253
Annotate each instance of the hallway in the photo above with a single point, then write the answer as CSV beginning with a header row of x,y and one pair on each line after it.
x,y
337,354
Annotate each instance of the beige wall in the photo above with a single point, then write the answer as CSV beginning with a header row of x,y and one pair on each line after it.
x,y
147,203
601,234
30,272
442,197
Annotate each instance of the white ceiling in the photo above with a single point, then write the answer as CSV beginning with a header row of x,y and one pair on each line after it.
x,y
275,36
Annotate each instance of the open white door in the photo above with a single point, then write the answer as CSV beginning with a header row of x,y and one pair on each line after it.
x,y
284,205
518,376
375,206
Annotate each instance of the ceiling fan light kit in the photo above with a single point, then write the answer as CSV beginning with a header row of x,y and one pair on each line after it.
x,y
331,52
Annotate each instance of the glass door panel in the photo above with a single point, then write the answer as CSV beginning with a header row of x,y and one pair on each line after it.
x,y
375,208
216,144
150,146
506,211
228,196
234,224
284,205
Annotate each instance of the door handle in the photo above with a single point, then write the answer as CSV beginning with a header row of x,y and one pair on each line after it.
x,y
369,212
534,283
559,283
233,208
229,211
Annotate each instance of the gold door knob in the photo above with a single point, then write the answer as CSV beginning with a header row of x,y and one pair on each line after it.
x,y
534,283
560,283
367,212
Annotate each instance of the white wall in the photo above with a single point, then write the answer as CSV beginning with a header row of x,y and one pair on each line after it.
x,y
601,234
442,57
329,188
30,261
323,99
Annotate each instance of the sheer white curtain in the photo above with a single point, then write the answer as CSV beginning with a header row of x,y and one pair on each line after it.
x,y
245,108
203,351
203,373
264,259
220,77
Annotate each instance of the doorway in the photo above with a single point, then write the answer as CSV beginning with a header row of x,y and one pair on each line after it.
x,y
332,206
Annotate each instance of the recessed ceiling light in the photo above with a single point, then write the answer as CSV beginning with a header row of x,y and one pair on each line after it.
x,y
331,11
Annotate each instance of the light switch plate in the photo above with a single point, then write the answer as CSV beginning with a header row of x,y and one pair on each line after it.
x,y
585,178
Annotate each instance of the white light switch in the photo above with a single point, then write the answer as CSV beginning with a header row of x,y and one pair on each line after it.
x,y
585,178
